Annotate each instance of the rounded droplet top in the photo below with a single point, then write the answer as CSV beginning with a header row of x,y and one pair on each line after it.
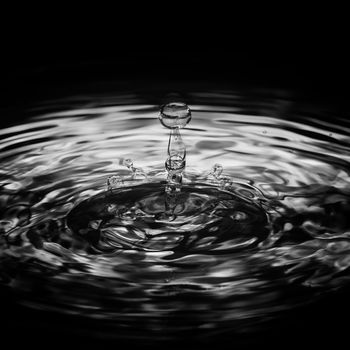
x,y
175,115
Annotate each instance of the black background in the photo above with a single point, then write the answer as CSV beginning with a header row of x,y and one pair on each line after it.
x,y
46,54
40,59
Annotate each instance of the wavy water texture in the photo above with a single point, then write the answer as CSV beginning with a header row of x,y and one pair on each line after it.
x,y
273,233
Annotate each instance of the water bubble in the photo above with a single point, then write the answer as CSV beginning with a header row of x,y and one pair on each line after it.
x,y
175,115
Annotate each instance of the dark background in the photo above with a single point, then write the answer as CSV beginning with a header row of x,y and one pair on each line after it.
x,y
50,55
41,61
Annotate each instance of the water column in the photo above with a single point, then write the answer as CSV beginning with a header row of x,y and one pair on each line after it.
x,y
174,116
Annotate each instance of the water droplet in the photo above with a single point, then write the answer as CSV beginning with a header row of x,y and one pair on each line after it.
x,y
175,115
217,170
287,226
94,224
238,216
114,182
128,163
138,174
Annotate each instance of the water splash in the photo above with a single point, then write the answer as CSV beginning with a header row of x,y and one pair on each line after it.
x,y
175,116
136,173
264,232
116,181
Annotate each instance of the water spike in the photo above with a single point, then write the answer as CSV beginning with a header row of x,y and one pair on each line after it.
x,y
175,116
176,146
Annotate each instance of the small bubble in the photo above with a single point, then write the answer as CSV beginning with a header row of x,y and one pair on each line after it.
x,y
264,131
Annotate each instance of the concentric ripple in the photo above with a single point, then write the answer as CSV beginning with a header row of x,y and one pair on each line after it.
x,y
270,233
205,219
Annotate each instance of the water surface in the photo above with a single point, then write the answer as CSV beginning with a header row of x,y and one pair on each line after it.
x,y
270,234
